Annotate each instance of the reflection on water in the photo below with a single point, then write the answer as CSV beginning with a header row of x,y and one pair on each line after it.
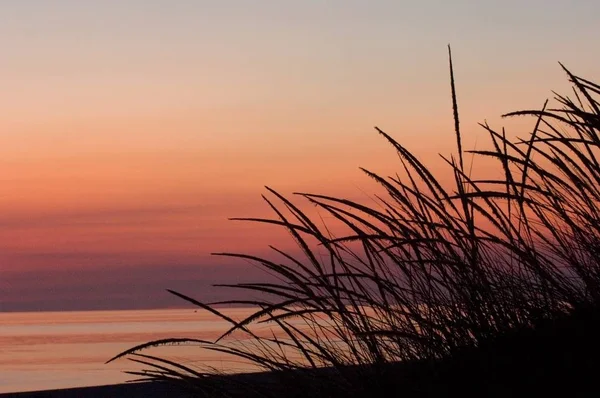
x,y
47,350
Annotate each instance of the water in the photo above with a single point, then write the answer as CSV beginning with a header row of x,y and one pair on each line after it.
x,y
49,350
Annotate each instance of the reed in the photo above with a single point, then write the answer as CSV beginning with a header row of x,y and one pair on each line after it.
x,y
429,273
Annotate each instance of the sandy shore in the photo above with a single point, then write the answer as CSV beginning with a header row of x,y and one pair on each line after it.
x,y
133,390
234,384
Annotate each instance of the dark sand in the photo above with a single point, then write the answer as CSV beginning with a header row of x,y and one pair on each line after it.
x,y
235,385
133,390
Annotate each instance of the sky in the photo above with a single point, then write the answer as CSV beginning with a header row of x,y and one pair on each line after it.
x,y
131,130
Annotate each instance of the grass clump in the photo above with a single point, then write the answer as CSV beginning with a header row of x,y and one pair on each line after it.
x,y
481,287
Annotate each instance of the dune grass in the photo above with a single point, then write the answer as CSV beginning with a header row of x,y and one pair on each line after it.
x,y
429,273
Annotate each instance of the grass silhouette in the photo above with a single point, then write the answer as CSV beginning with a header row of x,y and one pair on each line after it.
x,y
490,287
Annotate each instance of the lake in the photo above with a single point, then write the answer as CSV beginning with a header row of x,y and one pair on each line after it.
x,y
49,350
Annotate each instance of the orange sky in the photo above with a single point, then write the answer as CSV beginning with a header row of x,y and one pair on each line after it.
x,y
130,131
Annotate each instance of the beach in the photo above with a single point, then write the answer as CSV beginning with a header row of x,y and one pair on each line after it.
x,y
131,390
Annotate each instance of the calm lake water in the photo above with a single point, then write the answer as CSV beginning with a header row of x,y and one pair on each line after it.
x,y
49,350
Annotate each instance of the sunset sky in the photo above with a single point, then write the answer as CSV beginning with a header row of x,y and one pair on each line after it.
x,y
131,130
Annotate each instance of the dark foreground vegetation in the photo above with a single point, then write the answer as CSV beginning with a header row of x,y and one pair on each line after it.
x,y
490,287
